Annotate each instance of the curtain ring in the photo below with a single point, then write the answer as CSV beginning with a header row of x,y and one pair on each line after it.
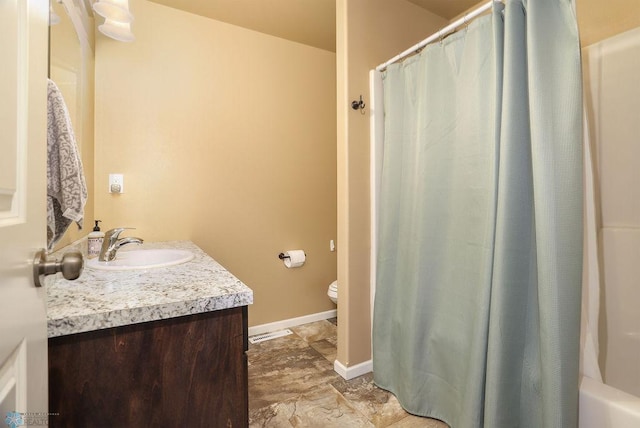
x,y
440,37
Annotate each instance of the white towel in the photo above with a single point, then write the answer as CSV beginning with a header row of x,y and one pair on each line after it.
x,y
66,186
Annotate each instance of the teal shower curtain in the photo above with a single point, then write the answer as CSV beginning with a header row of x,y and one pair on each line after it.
x,y
477,305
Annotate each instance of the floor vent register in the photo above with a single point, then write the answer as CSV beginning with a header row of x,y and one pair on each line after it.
x,y
268,336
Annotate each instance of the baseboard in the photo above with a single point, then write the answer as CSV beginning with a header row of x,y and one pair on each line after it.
x,y
292,322
353,371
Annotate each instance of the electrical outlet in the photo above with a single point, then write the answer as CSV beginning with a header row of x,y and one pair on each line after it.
x,y
116,183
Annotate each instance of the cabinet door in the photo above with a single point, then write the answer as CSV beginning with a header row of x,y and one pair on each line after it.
x,y
189,371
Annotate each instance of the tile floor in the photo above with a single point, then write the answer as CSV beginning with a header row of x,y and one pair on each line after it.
x,y
292,384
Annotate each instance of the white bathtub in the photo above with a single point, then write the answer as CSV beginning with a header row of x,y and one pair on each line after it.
x,y
602,406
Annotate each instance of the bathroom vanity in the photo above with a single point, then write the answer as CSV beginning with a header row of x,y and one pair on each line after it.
x,y
150,347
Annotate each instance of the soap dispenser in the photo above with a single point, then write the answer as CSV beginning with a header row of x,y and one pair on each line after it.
x,y
94,241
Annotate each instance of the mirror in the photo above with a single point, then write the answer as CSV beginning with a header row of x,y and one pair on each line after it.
x,y
71,63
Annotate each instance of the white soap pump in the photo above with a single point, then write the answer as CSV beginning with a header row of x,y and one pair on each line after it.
x,y
94,241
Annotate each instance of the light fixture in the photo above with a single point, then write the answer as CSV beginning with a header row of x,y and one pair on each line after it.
x,y
118,19
115,10
117,30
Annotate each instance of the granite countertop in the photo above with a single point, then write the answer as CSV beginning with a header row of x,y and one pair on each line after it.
x,y
102,299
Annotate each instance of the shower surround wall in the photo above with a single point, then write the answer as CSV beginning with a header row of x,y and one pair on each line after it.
x,y
611,70
226,137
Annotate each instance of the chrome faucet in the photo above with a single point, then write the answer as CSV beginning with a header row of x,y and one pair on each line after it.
x,y
112,244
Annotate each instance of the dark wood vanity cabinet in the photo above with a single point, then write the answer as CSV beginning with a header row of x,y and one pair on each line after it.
x,y
189,371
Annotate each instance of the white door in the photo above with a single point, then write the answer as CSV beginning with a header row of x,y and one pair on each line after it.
x,y
23,146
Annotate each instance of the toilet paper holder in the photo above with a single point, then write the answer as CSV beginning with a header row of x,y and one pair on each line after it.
x,y
283,256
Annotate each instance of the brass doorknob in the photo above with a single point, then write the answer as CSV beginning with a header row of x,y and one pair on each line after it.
x,y
70,265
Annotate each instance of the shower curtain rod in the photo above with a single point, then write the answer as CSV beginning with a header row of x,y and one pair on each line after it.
x,y
440,34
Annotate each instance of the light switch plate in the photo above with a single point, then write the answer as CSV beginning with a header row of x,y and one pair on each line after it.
x,y
116,183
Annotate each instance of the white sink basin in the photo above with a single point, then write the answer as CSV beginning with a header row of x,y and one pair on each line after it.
x,y
143,259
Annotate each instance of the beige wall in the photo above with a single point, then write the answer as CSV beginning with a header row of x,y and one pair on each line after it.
x,y
369,32
598,20
226,137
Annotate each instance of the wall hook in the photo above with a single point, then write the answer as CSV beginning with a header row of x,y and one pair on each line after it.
x,y
358,105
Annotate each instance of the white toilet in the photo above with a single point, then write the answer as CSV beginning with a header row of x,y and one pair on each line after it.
x,y
333,292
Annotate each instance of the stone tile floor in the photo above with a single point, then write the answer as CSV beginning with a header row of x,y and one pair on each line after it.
x,y
292,384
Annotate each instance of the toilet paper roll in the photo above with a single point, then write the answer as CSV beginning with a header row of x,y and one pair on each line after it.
x,y
294,258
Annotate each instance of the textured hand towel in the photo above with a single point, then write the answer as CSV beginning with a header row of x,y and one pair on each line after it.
x,y
66,187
